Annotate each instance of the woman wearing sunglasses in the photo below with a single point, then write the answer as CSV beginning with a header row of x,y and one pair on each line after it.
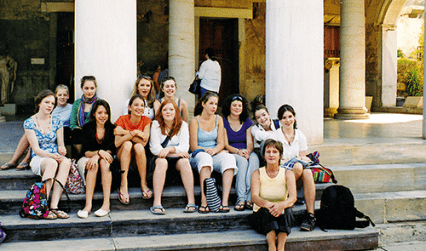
x,y
239,142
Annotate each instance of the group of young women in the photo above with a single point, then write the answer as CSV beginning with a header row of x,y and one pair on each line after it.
x,y
230,145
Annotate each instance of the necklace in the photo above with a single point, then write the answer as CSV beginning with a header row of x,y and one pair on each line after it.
x,y
49,126
99,140
289,140
272,174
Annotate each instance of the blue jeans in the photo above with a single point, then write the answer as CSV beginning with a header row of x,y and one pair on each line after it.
x,y
245,170
205,90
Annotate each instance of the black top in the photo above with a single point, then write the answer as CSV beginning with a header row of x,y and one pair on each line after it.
x,y
89,138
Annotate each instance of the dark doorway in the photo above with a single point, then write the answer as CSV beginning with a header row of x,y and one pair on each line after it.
x,y
222,36
65,51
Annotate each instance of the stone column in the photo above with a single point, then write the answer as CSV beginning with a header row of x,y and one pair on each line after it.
x,y
331,87
352,61
389,65
182,48
295,62
105,47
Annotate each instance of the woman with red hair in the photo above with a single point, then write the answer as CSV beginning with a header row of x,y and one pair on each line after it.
x,y
169,143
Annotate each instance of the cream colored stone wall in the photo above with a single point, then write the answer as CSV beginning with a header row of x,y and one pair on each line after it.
x,y
254,83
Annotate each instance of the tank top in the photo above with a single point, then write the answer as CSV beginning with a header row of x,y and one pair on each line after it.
x,y
272,189
207,139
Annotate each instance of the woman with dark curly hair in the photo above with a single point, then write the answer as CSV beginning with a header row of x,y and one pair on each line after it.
x,y
239,142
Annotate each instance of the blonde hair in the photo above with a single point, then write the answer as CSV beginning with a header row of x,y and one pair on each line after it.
x,y
151,95
62,87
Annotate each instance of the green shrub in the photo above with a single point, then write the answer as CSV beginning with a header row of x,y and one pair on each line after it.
x,y
410,72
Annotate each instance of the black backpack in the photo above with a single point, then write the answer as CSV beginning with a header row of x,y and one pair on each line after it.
x,y
337,210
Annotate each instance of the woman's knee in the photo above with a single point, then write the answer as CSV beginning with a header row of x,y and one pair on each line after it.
x,y
93,170
65,164
307,176
50,164
127,146
297,169
139,149
161,165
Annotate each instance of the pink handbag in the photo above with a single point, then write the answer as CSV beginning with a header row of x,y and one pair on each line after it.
x,y
74,181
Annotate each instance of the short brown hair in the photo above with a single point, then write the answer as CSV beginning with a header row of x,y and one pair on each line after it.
x,y
272,142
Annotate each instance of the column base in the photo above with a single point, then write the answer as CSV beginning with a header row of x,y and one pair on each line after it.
x,y
330,112
352,113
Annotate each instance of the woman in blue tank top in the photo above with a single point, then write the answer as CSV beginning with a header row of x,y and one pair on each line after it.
x,y
207,144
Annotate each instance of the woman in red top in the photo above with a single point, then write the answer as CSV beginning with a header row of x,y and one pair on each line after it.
x,y
131,136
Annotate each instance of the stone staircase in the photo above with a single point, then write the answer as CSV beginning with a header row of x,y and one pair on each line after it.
x,y
393,195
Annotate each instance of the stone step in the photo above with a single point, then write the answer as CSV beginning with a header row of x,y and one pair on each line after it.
x,y
359,239
128,223
370,151
17,180
393,206
382,178
359,178
15,184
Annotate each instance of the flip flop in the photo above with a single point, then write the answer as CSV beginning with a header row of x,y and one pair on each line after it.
x,y
7,166
127,198
239,206
205,211
188,208
249,205
22,166
162,212
59,214
146,195
223,209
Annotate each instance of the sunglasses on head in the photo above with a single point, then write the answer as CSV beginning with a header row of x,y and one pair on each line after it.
x,y
88,78
145,77
237,98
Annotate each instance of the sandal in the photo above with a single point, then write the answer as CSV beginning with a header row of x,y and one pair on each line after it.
x,y
240,206
189,207
126,200
23,166
146,195
162,211
51,216
60,214
205,210
249,205
7,166
223,209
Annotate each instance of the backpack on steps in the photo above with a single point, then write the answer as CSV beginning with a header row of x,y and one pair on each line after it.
x,y
337,210
35,204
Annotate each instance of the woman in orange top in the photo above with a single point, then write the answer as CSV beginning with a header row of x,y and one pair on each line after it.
x,y
131,137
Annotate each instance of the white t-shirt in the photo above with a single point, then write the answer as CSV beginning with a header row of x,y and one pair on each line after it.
x,y
299,143
180,141
210,75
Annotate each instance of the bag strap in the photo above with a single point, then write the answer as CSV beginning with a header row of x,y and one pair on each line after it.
x,y
166,140
363,224
277,123
64,190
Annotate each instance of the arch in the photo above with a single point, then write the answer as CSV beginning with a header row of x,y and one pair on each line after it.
x,y
383,82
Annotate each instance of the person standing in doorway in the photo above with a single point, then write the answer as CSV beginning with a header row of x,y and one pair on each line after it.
x,y
210,73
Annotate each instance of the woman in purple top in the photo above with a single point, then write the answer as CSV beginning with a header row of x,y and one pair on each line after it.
x,y
239,142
